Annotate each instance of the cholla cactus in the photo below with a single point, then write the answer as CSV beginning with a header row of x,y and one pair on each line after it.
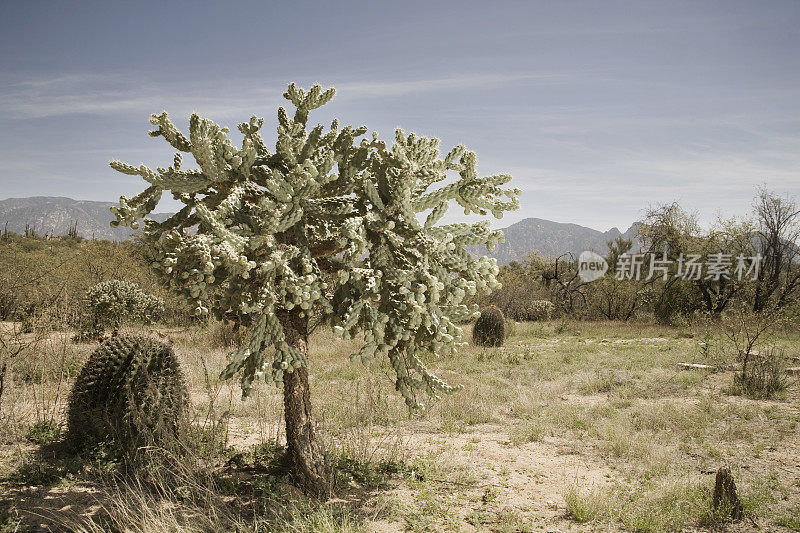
x,y
269,224
540,310
112,302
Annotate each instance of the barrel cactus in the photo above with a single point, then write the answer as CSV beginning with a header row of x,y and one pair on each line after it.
x,y
131,392
490,328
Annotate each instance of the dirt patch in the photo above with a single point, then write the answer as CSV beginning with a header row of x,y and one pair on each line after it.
x,y
55,508
528,480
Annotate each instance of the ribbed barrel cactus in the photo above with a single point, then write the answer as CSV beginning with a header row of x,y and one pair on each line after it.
x,y
131,392
260,229
490,328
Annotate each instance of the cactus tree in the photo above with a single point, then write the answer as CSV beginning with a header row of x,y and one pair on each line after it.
x,y
260,229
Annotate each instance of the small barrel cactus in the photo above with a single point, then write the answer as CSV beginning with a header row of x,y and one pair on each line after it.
x,y
490,328
130,393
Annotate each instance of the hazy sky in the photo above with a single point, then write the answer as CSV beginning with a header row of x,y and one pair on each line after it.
x,y
597,108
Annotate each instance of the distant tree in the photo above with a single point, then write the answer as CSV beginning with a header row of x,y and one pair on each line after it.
x,y
613,298
562,277
669,229
260,229
778,220
522,294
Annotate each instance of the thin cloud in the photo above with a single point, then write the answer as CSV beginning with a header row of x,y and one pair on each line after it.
x,y
101,94
115,94
383,89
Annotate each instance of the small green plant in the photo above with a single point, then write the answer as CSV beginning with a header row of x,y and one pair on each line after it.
x,y
490,328
489,495
351,469
790,519
706,345
44,432
8,522
37,471
562,326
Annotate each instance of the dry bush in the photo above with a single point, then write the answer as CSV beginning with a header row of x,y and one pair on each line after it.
x,y
760,362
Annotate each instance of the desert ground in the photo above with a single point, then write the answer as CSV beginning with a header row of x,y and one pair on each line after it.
x,y
570,426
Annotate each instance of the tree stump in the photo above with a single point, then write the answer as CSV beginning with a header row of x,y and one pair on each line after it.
x,y
725,498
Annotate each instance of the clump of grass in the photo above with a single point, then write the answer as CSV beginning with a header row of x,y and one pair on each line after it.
x,y
790,518
529,430
376,474
762,374
470,406
580,507
666,503
602,381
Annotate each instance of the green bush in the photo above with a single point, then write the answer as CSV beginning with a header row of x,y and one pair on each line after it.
x,y
532,311
44,432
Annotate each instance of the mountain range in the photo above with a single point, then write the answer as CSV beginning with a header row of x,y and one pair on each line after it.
x,y
55,215
548,238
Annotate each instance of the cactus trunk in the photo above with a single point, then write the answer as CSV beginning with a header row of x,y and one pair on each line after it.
x,y
308,463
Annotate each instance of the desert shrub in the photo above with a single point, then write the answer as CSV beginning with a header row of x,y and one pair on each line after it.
x,y
131,392
762,373
44,432
531,311
761,364
523,296
39,320
676,301
55,274
490,328
110,303
8,304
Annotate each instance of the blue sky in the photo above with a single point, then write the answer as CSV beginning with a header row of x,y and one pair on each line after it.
x,y
598,109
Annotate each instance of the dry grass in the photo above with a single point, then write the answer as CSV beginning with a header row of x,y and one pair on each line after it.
x,y
605,395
